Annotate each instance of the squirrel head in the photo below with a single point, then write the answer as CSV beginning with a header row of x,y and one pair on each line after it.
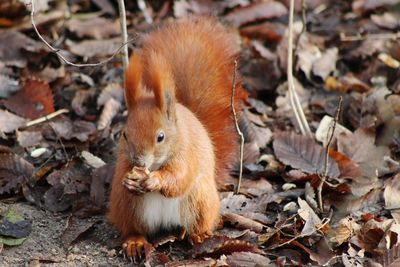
x,y
151,132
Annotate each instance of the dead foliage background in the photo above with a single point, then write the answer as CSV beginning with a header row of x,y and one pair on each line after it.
x,y
55,174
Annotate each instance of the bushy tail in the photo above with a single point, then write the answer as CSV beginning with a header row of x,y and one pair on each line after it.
x,y
202,55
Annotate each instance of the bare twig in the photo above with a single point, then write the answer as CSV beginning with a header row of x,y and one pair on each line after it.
x,y
330,135
370,36
294,99
122,19
57,51
325,222
46,117
237,126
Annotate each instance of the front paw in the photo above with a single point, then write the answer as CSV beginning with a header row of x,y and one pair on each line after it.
x,y
140,181
135,179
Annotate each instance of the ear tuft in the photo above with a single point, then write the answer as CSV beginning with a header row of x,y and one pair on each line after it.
x,y
133,80
158,78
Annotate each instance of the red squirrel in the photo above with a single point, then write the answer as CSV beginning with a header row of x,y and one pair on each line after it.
x,y
179,137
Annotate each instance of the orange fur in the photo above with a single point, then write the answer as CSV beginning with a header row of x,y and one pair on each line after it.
x,y
178,83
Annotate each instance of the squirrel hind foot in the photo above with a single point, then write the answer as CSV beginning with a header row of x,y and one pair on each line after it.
x,y
136,248
199,238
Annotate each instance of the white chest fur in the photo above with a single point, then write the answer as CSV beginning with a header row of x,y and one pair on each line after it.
x,y
160,212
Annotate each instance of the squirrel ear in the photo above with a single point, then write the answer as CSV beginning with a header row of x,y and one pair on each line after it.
x,y
158,77
133,80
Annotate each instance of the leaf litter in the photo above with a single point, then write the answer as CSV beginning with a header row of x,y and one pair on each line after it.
x,y
64,166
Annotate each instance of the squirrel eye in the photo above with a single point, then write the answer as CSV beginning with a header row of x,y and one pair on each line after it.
x,y
160,137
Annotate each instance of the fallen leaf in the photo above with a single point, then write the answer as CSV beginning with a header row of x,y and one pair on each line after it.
x,y
29,138
248,259
79,100
110,109
74,176
14,171
98,28
346,83
11,45
218,245
255,12
10,122
360,147
312,221
391,195
112,90
8,85
55,199
34,100
268,32
326,64
386,20
303,153
98,48
66,129
348,168
241,222
74,228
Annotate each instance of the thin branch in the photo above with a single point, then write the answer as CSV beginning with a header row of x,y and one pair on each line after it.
x,y
370,36
237,126
57,51
122,18
327,220
46,117
329,135
294,99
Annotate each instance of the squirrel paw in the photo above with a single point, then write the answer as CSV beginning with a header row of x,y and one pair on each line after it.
x,y
134,179
140,181
136,248
199,238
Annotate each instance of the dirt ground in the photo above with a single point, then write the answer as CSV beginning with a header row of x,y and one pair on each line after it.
x,y
44,247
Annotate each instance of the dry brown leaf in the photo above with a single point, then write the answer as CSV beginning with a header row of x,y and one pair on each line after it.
x,y
312,221
8,85
98,48
247,259
74,176
98,28
268,32
326,64
79,100
361,6
11,45
346,84
360,147
112,90
348,168
66,129
241,222
110,109
346,228
386,20
34,100
29,138
14,171
256,11
391,195
10,122
218,245
303,153
74,228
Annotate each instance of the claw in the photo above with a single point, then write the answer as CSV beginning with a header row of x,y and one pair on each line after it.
x,y
136,248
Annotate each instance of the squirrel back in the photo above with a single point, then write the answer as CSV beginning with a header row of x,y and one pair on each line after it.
x,y
198,56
